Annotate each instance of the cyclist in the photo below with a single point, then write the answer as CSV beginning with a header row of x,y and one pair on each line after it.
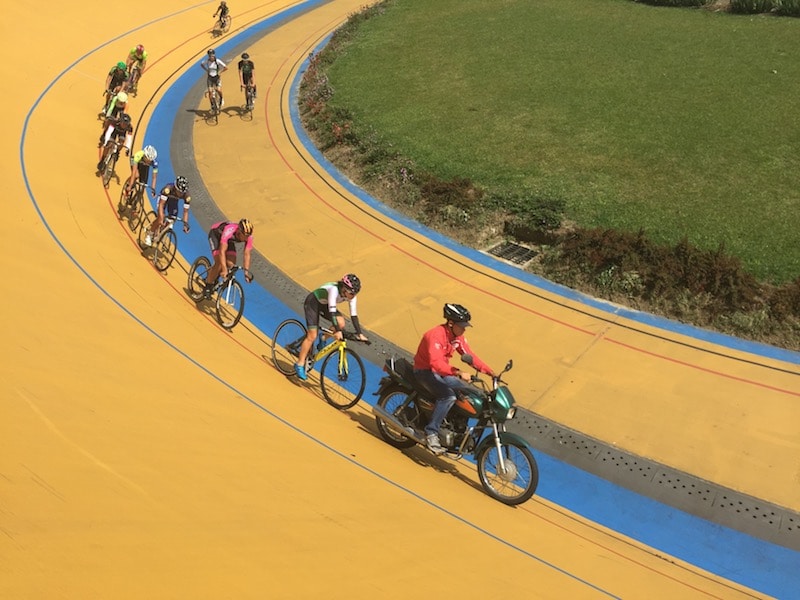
x,y
116,80
222,10
113,121
120,129
214,67
247,73
117,106
137,56
141,163
168,203
117,76
222,237
322,303
433,371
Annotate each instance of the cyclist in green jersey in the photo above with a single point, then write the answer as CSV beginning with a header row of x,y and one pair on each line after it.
x,y
141,163
322,303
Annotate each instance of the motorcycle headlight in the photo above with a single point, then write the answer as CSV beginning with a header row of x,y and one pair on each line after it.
x,y
511,412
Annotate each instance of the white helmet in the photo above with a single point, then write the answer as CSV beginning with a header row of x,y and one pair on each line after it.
x,y
150,153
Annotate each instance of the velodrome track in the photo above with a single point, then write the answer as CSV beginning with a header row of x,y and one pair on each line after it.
x,y
147,453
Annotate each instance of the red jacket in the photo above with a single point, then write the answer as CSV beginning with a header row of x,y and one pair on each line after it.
x,y
437,347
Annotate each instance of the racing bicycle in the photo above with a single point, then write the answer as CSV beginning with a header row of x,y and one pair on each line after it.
x,y
342,374
109,160
213,98
229,300
132,205
133,79
249,97
164,243
222,25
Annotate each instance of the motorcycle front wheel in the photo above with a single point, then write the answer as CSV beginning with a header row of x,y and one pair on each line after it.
x,y
393,402
513,484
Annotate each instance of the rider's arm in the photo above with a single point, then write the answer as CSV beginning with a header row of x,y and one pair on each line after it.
x,y
354,316
186,202
246,262
464,348
128,141
154,170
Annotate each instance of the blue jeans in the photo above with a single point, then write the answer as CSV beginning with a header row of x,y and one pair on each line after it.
x,y
442,388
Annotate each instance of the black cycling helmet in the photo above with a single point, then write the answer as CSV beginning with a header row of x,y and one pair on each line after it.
x,y
457,314
125,117
181,183
352,283
212,52
245,56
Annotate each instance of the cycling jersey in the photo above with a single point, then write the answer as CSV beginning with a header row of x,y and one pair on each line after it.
x,y
118,77
246,67
214,67
171,195
322,302
139,160
133,57
221,235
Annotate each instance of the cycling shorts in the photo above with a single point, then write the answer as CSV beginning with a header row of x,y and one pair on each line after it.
x,y
314,310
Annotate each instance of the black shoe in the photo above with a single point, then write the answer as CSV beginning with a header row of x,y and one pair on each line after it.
x,y
100,166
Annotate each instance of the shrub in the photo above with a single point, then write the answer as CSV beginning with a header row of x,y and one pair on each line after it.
x,y
750,7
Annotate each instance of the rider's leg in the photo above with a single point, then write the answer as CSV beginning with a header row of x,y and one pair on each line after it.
x,y
311,308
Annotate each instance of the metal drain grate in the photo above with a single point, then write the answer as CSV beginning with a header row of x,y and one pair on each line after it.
x,y
686,492
513,252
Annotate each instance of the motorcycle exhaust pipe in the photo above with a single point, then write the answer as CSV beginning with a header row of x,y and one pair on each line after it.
x,y
409,432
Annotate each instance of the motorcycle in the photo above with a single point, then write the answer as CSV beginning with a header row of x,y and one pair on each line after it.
x,y
475,425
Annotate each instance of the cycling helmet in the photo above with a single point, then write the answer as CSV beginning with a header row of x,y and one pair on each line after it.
x,y
352,283
457,314
245,56
139,49
246,227
212,52
121,65
181,183
122,97
125,117
150,153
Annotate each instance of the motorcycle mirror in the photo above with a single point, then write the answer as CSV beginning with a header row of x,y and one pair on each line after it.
x,y
509,365
467,358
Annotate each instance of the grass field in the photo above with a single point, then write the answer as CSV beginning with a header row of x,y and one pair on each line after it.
x,y
683,122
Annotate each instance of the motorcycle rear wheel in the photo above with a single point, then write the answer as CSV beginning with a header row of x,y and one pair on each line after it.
x,y
392,402
518,483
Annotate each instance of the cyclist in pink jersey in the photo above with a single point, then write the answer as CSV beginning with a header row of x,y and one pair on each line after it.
x,y
222,238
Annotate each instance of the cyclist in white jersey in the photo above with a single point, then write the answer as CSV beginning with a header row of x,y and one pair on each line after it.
x,y
214,67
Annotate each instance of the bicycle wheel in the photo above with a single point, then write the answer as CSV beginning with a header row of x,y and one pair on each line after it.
x,y
230,304
164,250
136,209
343,378
197,278
147,221
286,345
108,166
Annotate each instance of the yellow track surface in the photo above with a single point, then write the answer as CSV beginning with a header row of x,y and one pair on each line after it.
x,y
146,453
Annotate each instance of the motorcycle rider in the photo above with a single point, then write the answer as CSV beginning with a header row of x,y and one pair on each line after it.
x,y
433,370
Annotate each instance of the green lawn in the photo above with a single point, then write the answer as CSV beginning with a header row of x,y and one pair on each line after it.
x,y
683,122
